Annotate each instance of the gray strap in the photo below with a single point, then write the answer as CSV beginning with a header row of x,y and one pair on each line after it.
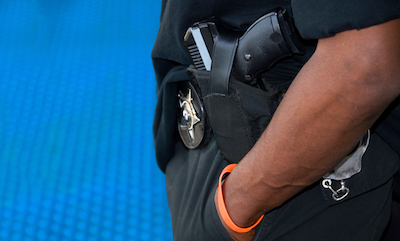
x,y
223,56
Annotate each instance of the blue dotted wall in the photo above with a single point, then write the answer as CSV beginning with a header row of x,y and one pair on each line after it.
x,y
77,96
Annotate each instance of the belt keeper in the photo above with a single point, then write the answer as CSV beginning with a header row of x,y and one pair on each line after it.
x,y
222,208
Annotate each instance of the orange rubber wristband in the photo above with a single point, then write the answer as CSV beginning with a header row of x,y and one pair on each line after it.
x,y
222,208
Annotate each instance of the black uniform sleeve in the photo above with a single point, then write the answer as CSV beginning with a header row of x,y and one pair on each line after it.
x,y
324,18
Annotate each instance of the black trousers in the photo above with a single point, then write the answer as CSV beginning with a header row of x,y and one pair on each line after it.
x,y
392,232
192,177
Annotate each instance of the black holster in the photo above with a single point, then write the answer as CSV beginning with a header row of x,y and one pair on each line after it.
x,y
238,119
238,102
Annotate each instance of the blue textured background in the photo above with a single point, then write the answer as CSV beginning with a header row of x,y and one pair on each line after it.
x,y
77,95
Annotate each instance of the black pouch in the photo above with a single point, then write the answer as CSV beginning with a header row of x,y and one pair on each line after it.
x,y
239,118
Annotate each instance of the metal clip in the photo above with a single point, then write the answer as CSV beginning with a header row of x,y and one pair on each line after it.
x,y
338,194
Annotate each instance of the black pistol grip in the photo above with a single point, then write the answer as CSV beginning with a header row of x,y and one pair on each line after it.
x,y
260,47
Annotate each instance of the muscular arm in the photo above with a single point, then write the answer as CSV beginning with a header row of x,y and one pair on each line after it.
x,y
341,91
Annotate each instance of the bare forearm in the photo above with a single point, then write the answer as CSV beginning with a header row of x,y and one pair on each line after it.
x,y
334,99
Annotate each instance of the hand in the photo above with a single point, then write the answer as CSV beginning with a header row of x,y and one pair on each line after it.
x,y
235,236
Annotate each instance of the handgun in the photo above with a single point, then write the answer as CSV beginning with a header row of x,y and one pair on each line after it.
x,y
269,39
199,41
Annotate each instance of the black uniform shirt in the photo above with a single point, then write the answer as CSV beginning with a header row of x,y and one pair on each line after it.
x,y
313,18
